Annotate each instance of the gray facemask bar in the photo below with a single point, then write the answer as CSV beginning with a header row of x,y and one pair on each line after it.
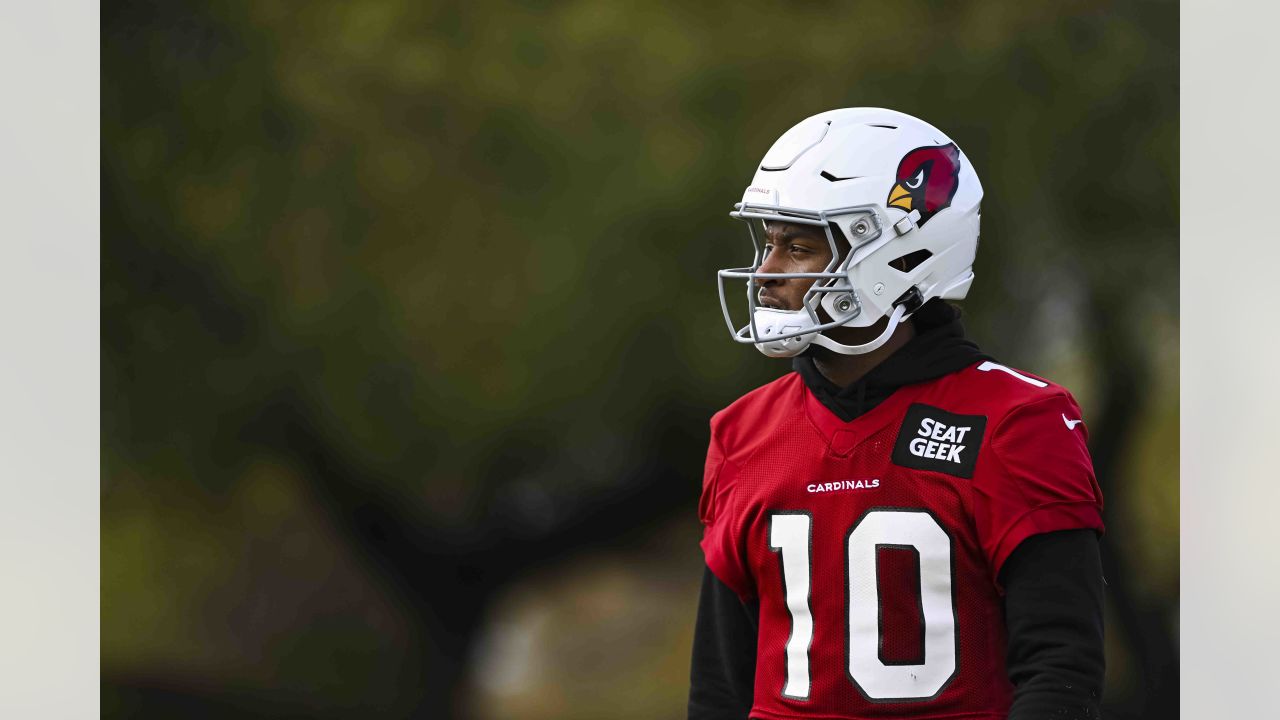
x,y
834,273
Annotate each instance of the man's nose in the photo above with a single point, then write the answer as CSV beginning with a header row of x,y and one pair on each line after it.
x,y
770,265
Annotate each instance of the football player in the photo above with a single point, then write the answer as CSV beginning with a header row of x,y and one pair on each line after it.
x,y
902,527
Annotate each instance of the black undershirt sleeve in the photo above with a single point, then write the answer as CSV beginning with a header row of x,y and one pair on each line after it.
x,y
722,678
1053,613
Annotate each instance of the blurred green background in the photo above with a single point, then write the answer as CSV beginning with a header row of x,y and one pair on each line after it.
x,y
411,335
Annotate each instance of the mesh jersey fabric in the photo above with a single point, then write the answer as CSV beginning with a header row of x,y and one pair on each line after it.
x,y
879,612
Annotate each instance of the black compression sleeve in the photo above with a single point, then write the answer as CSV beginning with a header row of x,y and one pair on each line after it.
x,y
1053,612
722,678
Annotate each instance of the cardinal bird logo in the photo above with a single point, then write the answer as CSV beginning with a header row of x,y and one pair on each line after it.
x,y
927,180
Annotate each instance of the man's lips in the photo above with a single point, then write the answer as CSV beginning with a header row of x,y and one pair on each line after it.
x,y
770,301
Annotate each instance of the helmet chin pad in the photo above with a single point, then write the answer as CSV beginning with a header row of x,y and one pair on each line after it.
x,y
773,326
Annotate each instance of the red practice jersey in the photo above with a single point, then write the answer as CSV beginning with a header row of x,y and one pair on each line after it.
x,y
873,546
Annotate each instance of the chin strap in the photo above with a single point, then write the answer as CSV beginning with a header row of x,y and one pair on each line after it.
x,y
894,319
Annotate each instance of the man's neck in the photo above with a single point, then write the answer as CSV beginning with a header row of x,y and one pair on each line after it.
x,y
845,370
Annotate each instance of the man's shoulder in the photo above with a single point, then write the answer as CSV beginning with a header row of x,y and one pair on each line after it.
x,y
1021,413
767,404
999,389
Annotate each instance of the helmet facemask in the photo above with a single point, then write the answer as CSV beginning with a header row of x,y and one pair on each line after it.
x,y
830,302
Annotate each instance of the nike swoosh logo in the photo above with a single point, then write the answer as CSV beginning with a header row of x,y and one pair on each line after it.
x,y
1071,424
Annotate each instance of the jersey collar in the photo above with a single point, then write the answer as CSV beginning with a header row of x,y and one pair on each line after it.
x,y
841,436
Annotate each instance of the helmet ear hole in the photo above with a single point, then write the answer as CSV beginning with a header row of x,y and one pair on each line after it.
x,y
910,261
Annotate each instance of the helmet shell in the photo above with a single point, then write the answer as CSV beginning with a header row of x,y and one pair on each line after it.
x,y
842,164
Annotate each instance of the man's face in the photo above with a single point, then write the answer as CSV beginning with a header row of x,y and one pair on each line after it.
x,y
791,248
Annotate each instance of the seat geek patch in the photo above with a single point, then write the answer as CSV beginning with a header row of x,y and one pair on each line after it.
x,y
934,439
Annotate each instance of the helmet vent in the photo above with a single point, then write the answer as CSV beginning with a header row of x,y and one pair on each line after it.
x,y
910,261
886,127
834,178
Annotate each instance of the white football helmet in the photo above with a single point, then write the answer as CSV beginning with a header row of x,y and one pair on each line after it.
x,y
891,186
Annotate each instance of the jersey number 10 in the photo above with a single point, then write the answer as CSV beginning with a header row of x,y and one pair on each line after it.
x,y
790,535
